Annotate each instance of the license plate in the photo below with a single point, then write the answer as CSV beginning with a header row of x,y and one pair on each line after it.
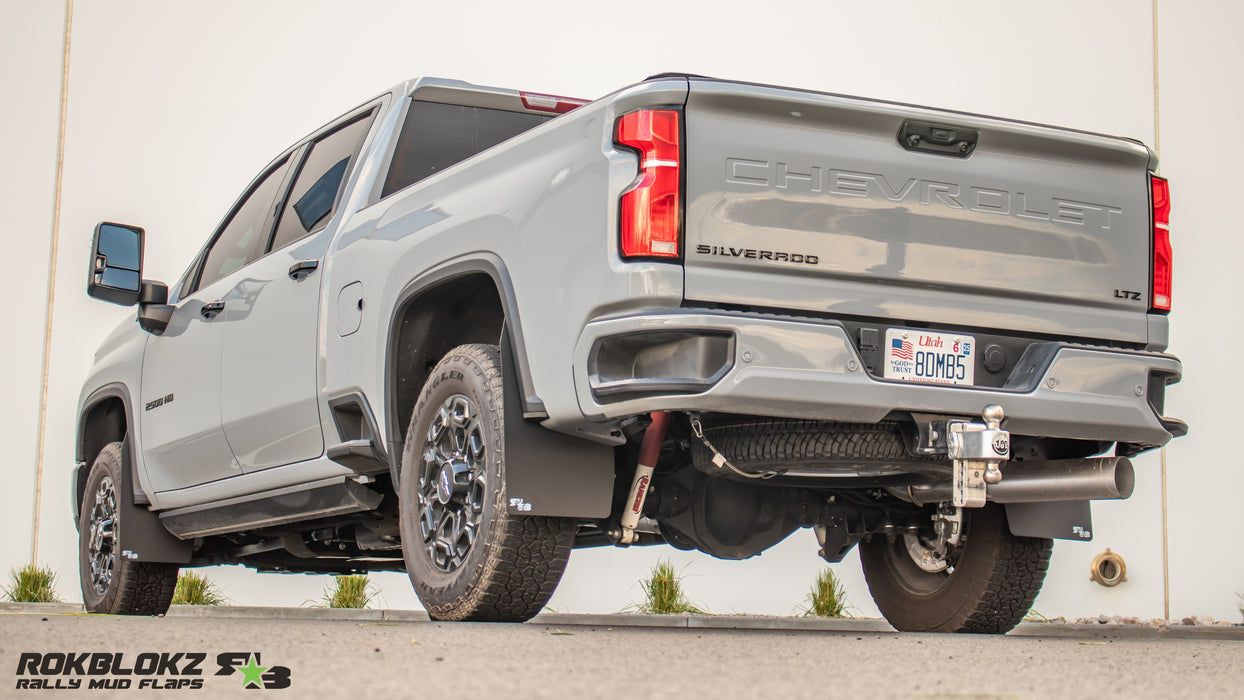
x,y
929,358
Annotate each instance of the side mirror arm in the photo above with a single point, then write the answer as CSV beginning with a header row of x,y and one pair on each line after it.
x,y
154,311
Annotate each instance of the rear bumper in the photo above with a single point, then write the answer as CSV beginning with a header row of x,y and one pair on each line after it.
x,y
810,369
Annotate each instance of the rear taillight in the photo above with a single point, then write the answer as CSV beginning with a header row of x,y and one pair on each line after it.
x,y
1162,261
651,209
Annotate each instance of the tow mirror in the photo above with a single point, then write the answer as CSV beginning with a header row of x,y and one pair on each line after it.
x,y
116,264
117,275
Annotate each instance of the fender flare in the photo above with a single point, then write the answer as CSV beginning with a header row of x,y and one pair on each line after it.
x,y
142,537
112,390
547,473
471,263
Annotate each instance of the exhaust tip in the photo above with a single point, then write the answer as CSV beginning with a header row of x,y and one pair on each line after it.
x,y
1124,477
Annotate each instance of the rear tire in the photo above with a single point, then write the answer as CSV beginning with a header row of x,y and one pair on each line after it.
x,y
989,587
112,584
467,557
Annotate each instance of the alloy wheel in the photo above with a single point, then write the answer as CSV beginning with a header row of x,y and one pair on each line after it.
x,y
452,483
101,551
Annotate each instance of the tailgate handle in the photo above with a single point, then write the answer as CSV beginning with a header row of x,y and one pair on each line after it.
x,y
942,139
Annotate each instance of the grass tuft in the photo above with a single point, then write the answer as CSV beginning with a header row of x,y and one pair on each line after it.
x,y
197,589
348,592
1034,616
663,593
32,584
827,597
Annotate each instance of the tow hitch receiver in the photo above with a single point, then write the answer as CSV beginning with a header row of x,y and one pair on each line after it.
x,y
978,451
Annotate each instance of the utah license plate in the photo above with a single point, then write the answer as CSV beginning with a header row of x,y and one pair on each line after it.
x,y
931,358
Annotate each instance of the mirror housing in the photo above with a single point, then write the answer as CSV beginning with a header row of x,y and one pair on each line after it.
x,y
116,267
154,311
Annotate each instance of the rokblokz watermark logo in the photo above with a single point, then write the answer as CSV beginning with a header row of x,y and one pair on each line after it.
x,y
183,670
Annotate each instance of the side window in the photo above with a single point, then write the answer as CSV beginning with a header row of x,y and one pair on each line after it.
x,y
436,136
314,195
245,236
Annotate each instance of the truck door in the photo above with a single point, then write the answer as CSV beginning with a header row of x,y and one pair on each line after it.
x,y
183,443
269,398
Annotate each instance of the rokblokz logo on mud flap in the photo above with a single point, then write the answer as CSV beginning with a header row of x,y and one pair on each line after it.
x,y
181,670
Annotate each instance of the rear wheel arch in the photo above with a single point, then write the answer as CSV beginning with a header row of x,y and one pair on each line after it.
x,y
464,301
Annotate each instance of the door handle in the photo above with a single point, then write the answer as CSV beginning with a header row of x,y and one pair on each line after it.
x,y
209,311
302,269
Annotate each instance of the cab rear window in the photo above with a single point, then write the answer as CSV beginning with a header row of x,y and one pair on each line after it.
x,y
436,136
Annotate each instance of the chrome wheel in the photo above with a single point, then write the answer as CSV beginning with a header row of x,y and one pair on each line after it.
x,y
452,483
928,556
101,550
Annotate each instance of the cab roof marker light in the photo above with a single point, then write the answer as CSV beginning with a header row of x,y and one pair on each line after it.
x,y
550,103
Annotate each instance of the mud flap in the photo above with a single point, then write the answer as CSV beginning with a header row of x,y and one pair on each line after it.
x,y
548,473
1058,520
142,537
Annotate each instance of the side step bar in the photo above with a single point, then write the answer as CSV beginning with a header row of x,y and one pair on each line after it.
x,y
318,499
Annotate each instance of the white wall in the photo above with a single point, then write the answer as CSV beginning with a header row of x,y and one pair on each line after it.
x,y
175,106
1200,54
31,42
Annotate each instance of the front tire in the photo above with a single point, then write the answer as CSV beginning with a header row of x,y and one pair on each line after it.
x,y
467,557
111,583
987,586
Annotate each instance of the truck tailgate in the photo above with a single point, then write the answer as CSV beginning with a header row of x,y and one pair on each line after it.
x,y
806,201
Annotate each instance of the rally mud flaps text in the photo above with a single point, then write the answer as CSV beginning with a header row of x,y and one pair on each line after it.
x,y
150,670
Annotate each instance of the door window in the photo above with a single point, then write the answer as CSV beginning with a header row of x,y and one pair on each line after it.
x,y
245,236
314,195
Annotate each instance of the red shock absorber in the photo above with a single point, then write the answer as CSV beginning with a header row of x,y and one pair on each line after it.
x,y
649,452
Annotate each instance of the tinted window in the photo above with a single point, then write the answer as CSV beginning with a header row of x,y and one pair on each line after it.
x,y
436,136
314,195
245,237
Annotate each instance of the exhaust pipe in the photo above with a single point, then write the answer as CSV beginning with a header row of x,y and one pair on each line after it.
x,y
1087,479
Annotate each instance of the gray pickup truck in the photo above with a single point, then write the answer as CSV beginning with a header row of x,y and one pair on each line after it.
x,y
460,331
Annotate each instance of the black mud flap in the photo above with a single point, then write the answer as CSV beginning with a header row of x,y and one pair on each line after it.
x,y
1058,520
142,537
548,473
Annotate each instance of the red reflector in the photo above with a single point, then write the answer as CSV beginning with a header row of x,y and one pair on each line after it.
x,y
550,103
1162,259
651,209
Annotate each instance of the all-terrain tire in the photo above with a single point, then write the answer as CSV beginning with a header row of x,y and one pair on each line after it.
x,y
512,565
778,444
994,580
115,585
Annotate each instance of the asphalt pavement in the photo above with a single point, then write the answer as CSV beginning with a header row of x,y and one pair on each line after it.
x,y
373,653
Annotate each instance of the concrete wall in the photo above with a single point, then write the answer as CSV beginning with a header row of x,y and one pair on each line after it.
x,y
173,107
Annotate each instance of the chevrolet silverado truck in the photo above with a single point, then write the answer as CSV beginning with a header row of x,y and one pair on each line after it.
x,y
460,331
